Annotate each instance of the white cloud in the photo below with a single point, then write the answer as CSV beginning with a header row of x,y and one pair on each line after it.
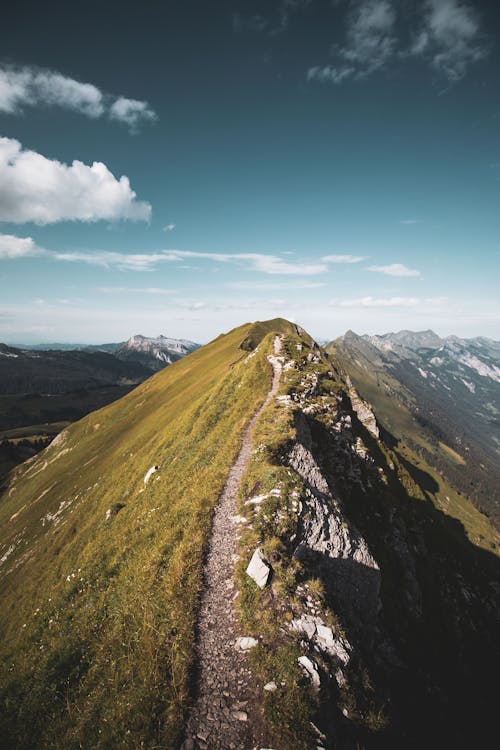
x,y
12,247
57,90
343,258
28,87
131,111
395,269
409,221
169,228
449,37
44,191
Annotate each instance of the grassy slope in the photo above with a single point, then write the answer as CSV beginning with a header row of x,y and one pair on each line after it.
x,y
97,617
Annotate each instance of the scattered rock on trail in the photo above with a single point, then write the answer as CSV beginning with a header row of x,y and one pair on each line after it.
x,y
246,643
258,569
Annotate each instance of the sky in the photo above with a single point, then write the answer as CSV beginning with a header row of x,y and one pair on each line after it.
x,y
184,167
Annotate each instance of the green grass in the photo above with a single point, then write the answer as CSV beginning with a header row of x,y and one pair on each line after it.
x,y
97,622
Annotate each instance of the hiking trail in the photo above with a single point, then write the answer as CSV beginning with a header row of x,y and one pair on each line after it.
x,y
225,715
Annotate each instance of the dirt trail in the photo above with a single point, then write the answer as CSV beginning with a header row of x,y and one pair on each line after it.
x,y
224,713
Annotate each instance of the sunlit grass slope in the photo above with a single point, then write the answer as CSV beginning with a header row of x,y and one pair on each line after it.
x,y
100,573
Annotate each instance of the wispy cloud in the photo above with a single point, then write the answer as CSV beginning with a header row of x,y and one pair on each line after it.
x,y
169,228
343,258
30,86
269,264
273,22
35,188
275,286
369,301
370,43
448,37
136,290
395,269
409,221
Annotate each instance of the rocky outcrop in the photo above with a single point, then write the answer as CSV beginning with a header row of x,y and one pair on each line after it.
x,y
326,539
363,410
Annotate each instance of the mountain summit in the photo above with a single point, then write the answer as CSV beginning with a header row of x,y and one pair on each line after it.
x,y
155,353
242,509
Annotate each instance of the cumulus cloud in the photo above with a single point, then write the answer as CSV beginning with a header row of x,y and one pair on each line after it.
x,y
29,87
395,269
343,258
35,188
18,247
448,37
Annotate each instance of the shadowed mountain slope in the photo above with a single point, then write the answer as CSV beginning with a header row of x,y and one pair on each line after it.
x,y
439,398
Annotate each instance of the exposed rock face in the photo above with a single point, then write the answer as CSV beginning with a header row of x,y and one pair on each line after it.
x,y
311,670
327,539
363,410
315,630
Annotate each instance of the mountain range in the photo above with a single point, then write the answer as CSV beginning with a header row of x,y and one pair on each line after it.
x,y
42,390
361,582
439,398
58,368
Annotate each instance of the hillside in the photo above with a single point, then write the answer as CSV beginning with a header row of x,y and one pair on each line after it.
x,y
439,397
43,390
376,620
26,371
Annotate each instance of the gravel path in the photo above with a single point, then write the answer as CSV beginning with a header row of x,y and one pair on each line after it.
x,y
224,715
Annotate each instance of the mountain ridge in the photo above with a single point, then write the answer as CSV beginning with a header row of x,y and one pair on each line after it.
x,y
102,541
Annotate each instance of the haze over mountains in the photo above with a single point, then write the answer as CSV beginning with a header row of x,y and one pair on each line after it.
x,y
42,390
376,619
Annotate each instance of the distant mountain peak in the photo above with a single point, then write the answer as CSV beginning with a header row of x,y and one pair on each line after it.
x,y
155,352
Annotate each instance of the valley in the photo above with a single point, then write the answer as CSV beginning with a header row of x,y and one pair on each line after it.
x,y
44,390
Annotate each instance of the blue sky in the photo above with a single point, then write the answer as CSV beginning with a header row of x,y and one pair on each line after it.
x,y
182,168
